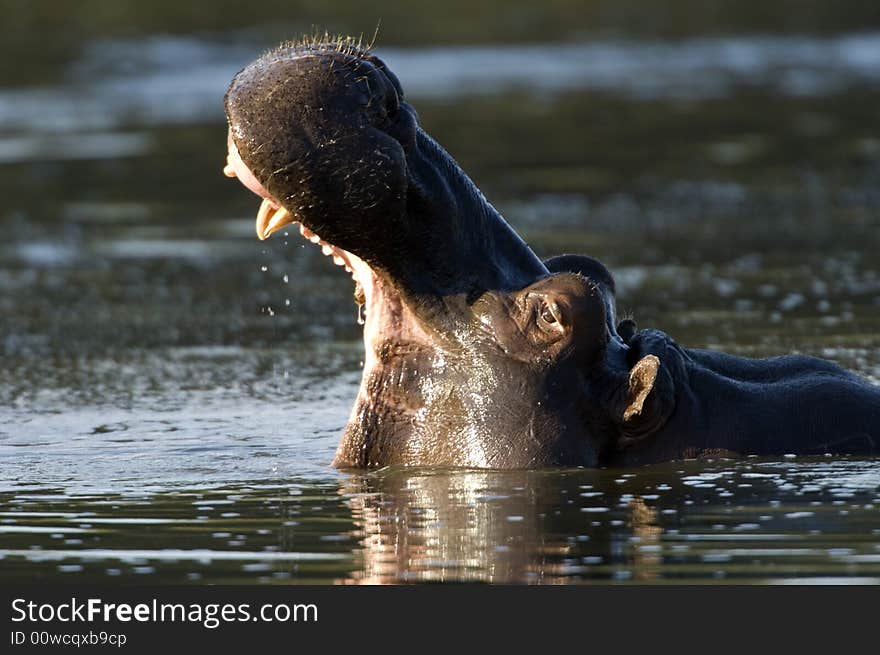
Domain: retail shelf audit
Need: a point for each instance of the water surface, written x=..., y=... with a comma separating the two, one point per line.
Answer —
x=172, y=390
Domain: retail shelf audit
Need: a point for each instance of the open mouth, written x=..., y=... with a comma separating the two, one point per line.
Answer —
x=272, y=217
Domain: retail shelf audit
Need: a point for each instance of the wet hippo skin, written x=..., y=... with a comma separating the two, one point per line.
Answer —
x=732, y=405
x=477, y=353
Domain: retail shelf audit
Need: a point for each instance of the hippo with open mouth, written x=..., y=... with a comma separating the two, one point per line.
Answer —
x=478, y=354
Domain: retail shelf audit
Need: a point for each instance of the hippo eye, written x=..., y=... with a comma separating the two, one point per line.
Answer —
x=548, y=316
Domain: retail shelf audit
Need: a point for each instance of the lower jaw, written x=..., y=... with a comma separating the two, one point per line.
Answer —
x=390, y=328
x=394, y=342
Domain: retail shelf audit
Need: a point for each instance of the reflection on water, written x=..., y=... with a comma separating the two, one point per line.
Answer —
x=686, y=522
x=747, y=521
x=172, y=390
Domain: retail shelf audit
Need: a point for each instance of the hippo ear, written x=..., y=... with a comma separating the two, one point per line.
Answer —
x=641, y=383
x=650, y=399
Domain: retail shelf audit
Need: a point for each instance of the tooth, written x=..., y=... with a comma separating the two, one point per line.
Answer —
x=271, y=218
x=279, y=219
x=266, y=208
x=327, y=250
x=315, y=238
x=339, y=261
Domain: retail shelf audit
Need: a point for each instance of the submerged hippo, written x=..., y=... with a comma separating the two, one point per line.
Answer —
x=478, y=354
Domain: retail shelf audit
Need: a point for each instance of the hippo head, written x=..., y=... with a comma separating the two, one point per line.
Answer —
x=478, y=354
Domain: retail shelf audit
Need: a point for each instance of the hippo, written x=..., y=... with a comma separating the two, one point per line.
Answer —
x=477, y=353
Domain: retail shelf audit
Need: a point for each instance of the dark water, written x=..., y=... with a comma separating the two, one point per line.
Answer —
x=172, y=390
x=739, y=522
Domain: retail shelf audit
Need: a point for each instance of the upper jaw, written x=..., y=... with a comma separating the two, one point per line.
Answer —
x=272, y=216
x=302, y=164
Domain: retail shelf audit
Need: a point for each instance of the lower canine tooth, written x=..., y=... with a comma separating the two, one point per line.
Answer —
x=267, y=208
x=279, y=219
x=271, y=218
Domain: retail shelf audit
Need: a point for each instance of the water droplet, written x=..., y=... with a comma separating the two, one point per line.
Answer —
x=286, y=278
x=264, y=268
x=287, y=302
